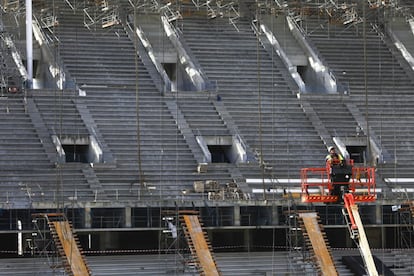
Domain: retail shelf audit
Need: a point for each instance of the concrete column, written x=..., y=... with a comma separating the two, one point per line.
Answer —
x=88, y=218
x=275, y=215
x=236, y=216
x=246, y=239
x=108, y=240
x=378, y=214
x=128, y=217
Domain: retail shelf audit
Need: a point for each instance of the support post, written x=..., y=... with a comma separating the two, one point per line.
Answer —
x=275, y=215
x=378, y=214
x=29, y=44
x=236, y=215
x=19, y=238
x=128, y=217
x=246, y=239
x=88, y=217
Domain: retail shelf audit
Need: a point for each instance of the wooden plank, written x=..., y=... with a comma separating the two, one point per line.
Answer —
x=322, y=254
x=204, y=255
x=72, y=252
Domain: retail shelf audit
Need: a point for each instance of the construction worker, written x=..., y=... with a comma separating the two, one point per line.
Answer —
x=334, y=158
x=339, y=173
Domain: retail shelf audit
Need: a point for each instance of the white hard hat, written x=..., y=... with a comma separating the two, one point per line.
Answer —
x=331, y=148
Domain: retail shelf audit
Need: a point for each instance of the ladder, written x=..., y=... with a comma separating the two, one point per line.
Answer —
x=67, y=244
x=317, y=242
x=199, y=245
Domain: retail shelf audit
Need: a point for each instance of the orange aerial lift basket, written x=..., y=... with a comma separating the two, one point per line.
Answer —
x=329, y=184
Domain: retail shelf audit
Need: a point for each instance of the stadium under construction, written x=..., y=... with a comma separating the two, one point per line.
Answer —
x=153, y=137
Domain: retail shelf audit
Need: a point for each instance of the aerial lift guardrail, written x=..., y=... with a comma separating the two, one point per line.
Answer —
x=329, y=183
x=345, y=184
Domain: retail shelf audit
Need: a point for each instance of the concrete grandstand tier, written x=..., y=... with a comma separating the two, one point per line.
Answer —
x=353, y=67
x=229, y=143
x=255, y=91
x=106, y=71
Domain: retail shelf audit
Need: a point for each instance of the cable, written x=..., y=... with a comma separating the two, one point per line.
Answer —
x=58, y=119
x=364, y=35
x=137, y=109
x=259, y=99
x=273, y=144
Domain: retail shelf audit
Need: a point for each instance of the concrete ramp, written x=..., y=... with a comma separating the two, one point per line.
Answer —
x=316, y=242
x=199, y=246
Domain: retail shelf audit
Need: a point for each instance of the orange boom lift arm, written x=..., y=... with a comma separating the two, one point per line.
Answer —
x=345, y=184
